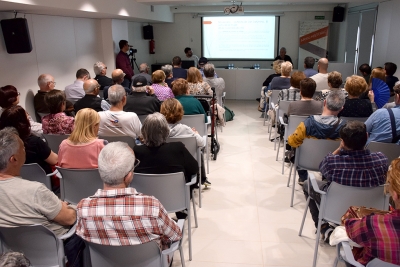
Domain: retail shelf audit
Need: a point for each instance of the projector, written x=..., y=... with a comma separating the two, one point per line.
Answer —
x=234, y=10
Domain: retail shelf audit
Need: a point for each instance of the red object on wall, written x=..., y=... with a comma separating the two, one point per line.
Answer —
x=152, y=46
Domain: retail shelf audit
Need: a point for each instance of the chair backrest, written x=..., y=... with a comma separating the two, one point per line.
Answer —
x=142, y=117
x=391, y=151
x=273, y=98
x=54, y=140
x=143, y=255
x=340, y=197
x=293, y=122
x=77, y=184
x=310, y=154
x=195, y=121
x=190, y=144
x=33, y=172
x=283, y=107
x=122, y=138
x=169, y=189
x=362, y=119
x=38, y=243
x=378, y=263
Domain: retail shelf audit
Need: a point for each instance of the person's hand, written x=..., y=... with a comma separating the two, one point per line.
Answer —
x=194, y=130
x=150, y=90
x=337, y=151
x=371, y=96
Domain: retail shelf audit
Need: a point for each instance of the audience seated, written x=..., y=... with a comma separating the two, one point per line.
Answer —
x=82, y=148
x=100, y=69
x=379, y=235
x=196, y=84
x=379, y=124
x=292, y=93
x=324, y=126
x=91, y=99
x=191, y=105
x=365, y=70
x=37, y=151
x=321, y=78
x=390, y=70
x=143, y=71
x=56, y=122
x=75, y=91
x=334, y=82
x=9, y=96
x=167, y=69
x=139, y=101
x=116, y=122
x=118, y=77
x=377, y=73
x=283, y=81
x=350, y=164
x=263, y=100
x=306, y=106
x=26, y=203
x=161, y=89
x=216, y=82
x=46, y=84
x=309, y=63
x=118, y=215
x=354, y=105
x=177, y=70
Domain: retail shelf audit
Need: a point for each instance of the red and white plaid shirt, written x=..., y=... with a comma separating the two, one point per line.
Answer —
x=124, y=217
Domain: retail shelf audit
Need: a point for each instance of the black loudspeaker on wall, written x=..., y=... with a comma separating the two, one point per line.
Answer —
x=148, y=32
x=338, y=14
x=16, y=35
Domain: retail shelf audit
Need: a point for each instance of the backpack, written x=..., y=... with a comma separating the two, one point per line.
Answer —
x=229, y=114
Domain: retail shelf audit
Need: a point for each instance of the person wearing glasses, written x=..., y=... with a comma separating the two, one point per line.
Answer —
x=46, y=84
x=57, y=122
x=91, y=98
x=117, y=78
x=100, y=69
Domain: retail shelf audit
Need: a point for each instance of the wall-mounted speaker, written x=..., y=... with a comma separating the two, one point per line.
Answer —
x=338, y=14
x=148, y=32
x=16, y=35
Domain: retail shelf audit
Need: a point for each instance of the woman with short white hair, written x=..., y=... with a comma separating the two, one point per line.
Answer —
x=282, y=82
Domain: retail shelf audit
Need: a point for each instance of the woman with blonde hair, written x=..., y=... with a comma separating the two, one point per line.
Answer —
x=282, y=82
x=82, y=148
x=196, y=84
x=161, y=89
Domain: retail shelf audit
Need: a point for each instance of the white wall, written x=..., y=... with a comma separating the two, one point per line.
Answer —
x=135, y=30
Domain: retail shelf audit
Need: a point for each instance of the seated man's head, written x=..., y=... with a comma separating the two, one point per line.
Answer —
x=139, y=84
x=323, y=65
x=172, y=110
x=155, y=130
x=334, y=102
x=91, y=87
x=180, y=87
x=116, y=165
x=55, y=101
x=355, y=85
x=82, y=74
x=309, y=62
x=282, y=52
x=12, y=152
x=144, y=68
x=117, y=96
x=202, y=61
x=46, y=82
x=365, y=69
x=296, y=78
x=209, y=70
x=167, y=69
x=100, y=68
x=307, y=87
x=176, y=61
x=354, y=135
x=117, y=76
x=390, y=68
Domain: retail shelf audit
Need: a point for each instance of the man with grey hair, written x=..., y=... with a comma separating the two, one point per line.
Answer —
x=116, y=122
x=308, y=67
x=321, y=78
x=217, y=82
x=118, y=215
x=167, y=69
x=324, y=126
x=142, y=99
x=282, y=55
x=46, y=83
x=75, y=91
x=91, y=99
x=100, y=69
x=144, y=71
x=26, y=203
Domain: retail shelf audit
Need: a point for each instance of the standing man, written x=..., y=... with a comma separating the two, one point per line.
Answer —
x=190, y=56
x=144, y=71
x=74, y=92
x=282, y=55
x=46, y=84
x=100, y=69
x=308, y=67
x=321, y=78
x=177, y=71
x=122, y=62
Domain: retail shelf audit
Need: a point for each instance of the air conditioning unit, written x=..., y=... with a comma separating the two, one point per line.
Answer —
x=234, y=10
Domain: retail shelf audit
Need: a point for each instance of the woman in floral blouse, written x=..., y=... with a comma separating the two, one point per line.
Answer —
x=196, y=84
x=57, y=122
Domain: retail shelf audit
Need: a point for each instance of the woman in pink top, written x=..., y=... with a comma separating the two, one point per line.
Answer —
x=57, y=122
x=82, y=148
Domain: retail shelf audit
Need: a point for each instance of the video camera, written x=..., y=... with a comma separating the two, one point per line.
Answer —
x=131, y=50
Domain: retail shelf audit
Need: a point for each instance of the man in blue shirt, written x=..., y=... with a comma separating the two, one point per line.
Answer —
x=308, y=67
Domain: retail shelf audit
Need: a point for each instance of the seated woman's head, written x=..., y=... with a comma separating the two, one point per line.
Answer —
x=393, y=181
x=15, y=116
x=194, y=75
x=155, y=130
x=86, y=126
x=335, y=79
x=55, y=101
x=180, y=87
x=158, y=76
x=277, y=66
x=8, y=96
x=355, y=85
x=378, y=73
x=296, y=78
x=286, y=68
x=172, y=110
x=307, y=87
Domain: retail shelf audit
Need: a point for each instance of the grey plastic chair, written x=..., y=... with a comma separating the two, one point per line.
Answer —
x=273, y=101
x=309, y=155
x=197, y=122
x=77, y=184
x=191, y=145
x=142, y=118
x=362, y=119
x=272, y=98
x=391, y=151
x=336, y=201
x=172, y=191
x=344, y=253
x=39, y=244
x=123, y=138
x=143, y=255
x=290, y=127
x=54, y=140
x=33, y=172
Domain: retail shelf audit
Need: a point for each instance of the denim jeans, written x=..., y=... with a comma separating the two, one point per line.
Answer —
x=73, y=249
x=315, y=199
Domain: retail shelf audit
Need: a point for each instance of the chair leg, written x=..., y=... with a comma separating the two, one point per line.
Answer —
x=290, y=174
x=189, y=230
x=194, y=212
x=304, y=216
x=317, y=242
x=293, y=186
x=276, y=134
x=208, y=156
x=283, y=156
x=182, y=256
x=265, y=115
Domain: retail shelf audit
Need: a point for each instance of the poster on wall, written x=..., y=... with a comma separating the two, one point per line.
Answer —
x=313, y=40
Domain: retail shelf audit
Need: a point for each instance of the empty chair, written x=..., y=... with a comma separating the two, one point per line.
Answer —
x=362, y=119
x=33, y=172
x=123, y=138
x=77, y=184
x=391, y=151
x=54, y=140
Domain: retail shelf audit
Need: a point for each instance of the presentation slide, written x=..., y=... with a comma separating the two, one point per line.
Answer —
x=234, y=37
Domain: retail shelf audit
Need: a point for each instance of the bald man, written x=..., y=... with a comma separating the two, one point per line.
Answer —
x=321, y=78
x=91, y=99
x=144, y=71
x=118, y=77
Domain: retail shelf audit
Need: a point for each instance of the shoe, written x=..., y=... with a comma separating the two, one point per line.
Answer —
x=287, y=160
x=300, y=182
x=326, y=231
x=260, y=109
x=258, y=99
x=206, y=183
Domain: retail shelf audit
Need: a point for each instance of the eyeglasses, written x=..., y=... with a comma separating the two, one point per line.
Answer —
x=18, y=93
x=137, y=162
x=53, y=82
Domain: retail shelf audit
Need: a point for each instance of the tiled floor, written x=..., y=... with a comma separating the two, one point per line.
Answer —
x=245, y=219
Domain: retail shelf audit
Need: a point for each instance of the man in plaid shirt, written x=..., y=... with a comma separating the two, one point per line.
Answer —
x=118, y=215
x=350, y=165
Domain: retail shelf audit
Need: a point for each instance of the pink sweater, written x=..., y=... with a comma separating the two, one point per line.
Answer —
x=82, y=156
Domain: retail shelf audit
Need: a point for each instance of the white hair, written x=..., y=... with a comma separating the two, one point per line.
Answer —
x=115, y=161
x=143, y=67
x=167, y=69
x=115, y=94
x=98, y=67
x=43, y=79
x=9, y=145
